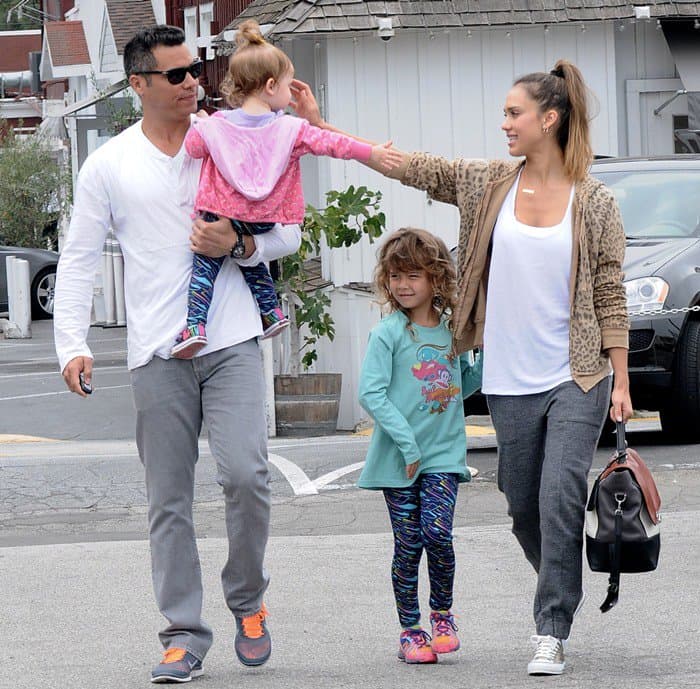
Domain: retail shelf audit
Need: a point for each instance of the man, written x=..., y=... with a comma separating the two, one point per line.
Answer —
x=143, y=185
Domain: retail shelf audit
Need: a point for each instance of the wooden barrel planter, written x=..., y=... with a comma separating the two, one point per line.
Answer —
x=308, y=404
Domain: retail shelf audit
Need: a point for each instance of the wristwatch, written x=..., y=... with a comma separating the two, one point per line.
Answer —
x=238, y=250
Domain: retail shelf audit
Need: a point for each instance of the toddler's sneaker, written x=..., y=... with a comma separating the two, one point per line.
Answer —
x=548, y=658
x=414, y=647
x=444, y=629
x=189, y=342
x=178, y=665
x=253, y=643
x=273, y=322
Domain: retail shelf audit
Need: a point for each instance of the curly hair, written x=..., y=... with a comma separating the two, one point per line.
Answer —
x=252, y=64
x=410, y=249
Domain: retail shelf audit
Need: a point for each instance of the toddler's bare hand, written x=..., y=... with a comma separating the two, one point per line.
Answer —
x=411, y=469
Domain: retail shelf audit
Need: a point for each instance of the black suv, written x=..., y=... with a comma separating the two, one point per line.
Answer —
x=660, y=203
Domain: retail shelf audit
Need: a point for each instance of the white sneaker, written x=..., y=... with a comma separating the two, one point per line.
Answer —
x=548, y=658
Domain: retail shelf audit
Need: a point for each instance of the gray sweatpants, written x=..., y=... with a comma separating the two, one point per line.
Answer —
x=546, y=443
x=172, y=397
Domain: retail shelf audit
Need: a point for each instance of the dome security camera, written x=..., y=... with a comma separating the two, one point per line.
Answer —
x=385, y=29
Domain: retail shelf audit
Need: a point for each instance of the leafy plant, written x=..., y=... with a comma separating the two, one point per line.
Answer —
x=348, y=216
x=34, y=189
x=121, y=112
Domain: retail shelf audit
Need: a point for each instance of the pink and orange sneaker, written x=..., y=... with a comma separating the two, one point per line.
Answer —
x=189, y=342
x=445, y=639
x=414, y=647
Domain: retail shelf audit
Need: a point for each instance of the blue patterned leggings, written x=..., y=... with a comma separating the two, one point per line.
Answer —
x=205, y=270
x=421, y=518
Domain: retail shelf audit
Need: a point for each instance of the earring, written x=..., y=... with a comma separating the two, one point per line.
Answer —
x=545, y=130
x=438, y=301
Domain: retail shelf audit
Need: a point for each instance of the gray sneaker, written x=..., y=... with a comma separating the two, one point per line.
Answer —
x=178, y=665
x=548, y=658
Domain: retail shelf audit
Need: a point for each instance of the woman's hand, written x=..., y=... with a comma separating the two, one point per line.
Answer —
x=385, y=157
x=304, y=103
x=621, y=404
x=411, y=469
x=620, y=401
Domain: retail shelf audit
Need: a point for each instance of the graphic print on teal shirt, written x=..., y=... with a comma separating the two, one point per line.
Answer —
x=433, y=369
x=402, y=380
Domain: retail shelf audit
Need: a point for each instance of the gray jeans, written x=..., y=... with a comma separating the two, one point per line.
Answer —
x=546, y=443
x=173, y=397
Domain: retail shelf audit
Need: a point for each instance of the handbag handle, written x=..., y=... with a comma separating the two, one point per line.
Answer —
x=621, y=443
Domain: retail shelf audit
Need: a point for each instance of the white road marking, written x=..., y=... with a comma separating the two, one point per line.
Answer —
x=297, y=479
x=29, y=362
x=59, y=392
x=323, y=481
x=54, y=374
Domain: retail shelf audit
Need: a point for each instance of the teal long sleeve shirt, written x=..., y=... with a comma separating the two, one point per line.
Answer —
x=414, y=393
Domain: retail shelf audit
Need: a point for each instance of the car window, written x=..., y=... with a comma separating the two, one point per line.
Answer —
x=657, y=203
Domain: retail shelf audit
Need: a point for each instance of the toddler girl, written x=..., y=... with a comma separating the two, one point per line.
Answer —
x=251, y=173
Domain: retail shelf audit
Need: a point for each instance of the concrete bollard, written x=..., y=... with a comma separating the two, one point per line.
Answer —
x=19, y=298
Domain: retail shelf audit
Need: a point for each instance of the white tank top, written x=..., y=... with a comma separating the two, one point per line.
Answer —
x=526, y=333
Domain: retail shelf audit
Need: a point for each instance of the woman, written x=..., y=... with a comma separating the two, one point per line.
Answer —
x=540, y=254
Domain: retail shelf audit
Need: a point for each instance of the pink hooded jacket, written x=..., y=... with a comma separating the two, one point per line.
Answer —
x=253, y=173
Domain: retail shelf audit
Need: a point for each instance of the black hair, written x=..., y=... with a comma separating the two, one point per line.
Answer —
x=138, y=52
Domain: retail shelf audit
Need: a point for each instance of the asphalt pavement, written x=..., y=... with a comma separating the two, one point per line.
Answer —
x=74, y=565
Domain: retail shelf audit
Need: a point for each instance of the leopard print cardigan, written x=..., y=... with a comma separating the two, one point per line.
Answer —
x=598, y=306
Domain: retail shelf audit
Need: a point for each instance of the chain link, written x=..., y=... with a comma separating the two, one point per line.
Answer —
x=664, y=312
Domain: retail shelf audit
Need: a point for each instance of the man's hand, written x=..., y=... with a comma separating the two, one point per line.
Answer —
x=216, y=239
x=304, y=103
x=411, y=469
x=386, y=157
x=72, y=371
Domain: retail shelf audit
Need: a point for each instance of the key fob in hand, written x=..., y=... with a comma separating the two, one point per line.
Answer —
x=85, y=387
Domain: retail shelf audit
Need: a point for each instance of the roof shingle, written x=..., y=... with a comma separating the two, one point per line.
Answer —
x=127, y=17
x=67, y=44
x=300, y=17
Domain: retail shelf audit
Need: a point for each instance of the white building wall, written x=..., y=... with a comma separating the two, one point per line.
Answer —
x=355, y=313
x=646, y=77
x=441, y=93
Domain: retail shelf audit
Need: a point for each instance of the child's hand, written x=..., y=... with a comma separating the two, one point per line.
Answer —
x=386, y=157
x=202, y=113
x=411, y=469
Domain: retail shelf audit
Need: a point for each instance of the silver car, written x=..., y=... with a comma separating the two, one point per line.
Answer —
x=42, y=278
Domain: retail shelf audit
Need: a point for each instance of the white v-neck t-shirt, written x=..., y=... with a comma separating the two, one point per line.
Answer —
x=526, y=333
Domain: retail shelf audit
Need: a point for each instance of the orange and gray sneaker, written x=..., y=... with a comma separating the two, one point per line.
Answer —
x=445, y=639
x=414, y=647
x=253, y=643
x=178, y=665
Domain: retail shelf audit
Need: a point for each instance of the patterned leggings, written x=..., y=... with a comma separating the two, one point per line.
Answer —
x=205, y=270
x=421, y=518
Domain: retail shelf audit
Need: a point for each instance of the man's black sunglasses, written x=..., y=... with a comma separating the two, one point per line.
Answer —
x=177, y=75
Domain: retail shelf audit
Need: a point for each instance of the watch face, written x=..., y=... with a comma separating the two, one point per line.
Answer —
x=238, y=250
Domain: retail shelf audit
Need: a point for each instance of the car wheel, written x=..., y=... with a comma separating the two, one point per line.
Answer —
x=42, y=293
x=679, y=418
